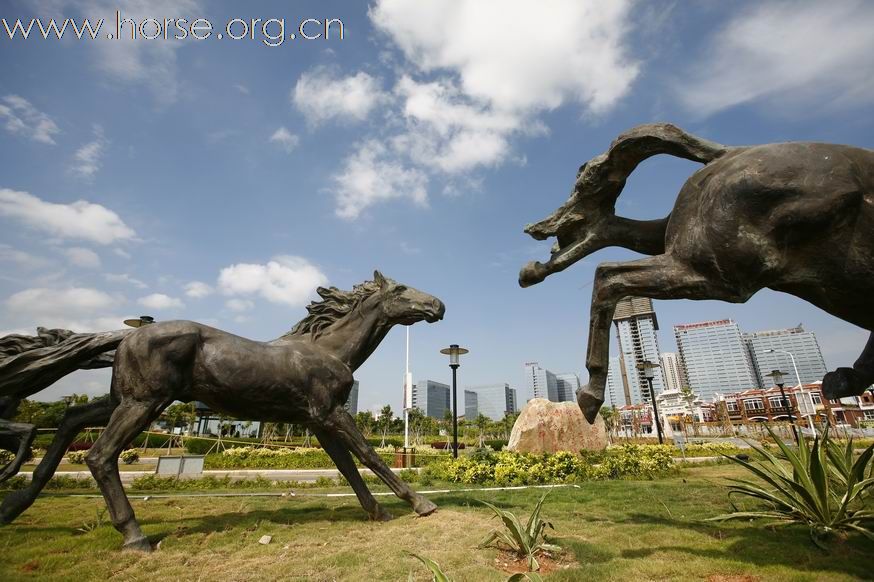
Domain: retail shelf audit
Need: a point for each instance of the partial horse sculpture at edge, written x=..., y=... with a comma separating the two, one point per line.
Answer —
x=793, y=217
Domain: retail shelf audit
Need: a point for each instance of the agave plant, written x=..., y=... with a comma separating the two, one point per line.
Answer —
x=525, y=541
x=821, y=486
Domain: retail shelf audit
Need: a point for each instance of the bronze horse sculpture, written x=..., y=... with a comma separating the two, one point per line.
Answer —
x=303, y=377
x=793, y=217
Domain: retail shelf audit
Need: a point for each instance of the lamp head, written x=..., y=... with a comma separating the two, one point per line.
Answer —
x=777, y=376
x=454, y=352
x=648, y=369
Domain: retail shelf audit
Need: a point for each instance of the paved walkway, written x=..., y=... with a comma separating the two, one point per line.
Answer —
x=236, y=475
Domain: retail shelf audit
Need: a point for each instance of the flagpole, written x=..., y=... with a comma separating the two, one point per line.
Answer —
x=407, y=395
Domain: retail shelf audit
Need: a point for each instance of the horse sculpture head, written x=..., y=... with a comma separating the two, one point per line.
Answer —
x=581, y=226
x=406, y=305
x=395, y=304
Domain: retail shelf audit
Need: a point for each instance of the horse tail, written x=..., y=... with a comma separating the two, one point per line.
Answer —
x=30, y=364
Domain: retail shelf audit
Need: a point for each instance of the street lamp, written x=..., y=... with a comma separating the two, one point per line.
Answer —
x=777, y=376
x=808, y=404
x=139, y=321
x=453, y=351
x=648, y=368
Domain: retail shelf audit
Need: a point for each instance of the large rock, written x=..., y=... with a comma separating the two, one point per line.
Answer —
x=548, y=427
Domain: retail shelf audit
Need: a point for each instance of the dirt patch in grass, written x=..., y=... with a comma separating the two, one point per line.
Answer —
x=512, y=564
x=732, y=578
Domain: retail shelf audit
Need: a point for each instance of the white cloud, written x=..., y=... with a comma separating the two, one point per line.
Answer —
x=149, y=63
x=517, y=54
x=492, y=67
x=83, y=257
x=285, y=139
x=88, y=158
x=284, y=279
x=21, y=258
x=160, y=301
x=23, y=118
x=81, y=219
x=126, y=279
x=372, y=174
x=69, y=303
x=239, y=304
x=789, y=53
x=198, y=290
x=320, y=96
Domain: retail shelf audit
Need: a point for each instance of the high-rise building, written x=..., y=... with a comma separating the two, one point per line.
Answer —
x=801, y=344
x=567, y=386
x=352, y=403
x=714, y=358
x=492, y=400
x=672, y=369
x=614, y=394
x=432, y=398
x=541, y=382
x=471, y=405
x=514, y=395
x=636, y=327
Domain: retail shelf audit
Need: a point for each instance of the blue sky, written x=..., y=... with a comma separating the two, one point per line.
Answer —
x=221, y=181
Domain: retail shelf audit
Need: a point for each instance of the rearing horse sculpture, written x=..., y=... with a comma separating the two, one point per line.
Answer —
x=792, y=217
x=304, y=377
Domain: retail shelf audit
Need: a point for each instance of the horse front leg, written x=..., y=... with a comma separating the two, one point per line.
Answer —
x=95, y=413
x=339, y=422
x=346, y=465
x=658, y=277
x=853, y=381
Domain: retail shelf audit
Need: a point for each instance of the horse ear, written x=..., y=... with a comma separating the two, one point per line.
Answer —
x=380, y=279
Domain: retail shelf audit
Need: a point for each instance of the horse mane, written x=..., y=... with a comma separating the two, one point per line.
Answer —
x=335, y=305
x=14, y=344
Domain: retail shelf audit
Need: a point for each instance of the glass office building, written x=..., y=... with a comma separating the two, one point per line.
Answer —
x=801, y=344
x=714, y=357
x=432, y=398
x=492, y=400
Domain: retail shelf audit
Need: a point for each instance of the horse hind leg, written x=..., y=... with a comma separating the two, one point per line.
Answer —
x=129, y=419
x=95, y=413
x=21, y=436
x=346, y=465
x=853, y=381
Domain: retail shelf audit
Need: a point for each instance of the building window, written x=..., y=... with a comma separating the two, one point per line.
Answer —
x=754, y=404
x=776, y=401
x=732, y=406
x=869, y=415
x=817, y=400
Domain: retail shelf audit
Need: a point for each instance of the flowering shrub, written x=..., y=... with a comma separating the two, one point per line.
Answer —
x=6, y=457
x=76, y=457
x=508, y=468
x=129, y=456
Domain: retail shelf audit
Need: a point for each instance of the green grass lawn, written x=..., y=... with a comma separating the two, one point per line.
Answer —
x=615, y=530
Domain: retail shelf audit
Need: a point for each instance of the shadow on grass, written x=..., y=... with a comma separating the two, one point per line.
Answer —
x=788, y=546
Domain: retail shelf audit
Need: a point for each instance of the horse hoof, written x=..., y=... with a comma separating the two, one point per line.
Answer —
x=140, y=544
x=589, y=405
x=381, y=515
x=841, y=383
x=424, y=507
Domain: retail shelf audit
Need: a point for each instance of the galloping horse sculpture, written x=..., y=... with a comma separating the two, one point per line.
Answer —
x=303, y=377
x=792, y=217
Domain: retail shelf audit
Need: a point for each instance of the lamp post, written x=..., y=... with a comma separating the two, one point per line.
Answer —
x=648, y=368
x=454, y=352
x=777, y=376
x=139, y=321
x=799, y=387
